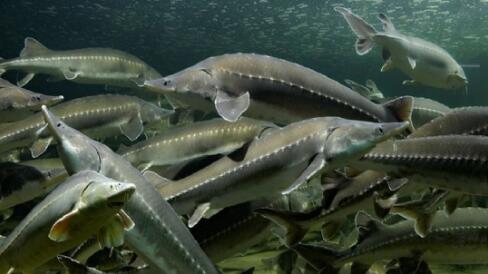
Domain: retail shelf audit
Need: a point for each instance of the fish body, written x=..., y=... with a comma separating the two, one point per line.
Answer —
x=425, y=110
x=460, y=121
x=21, y=183
x=278, y=162
x=370, y=90
x=73, y=212
x=195, y=140
x=459, y=238
x=99, y=116
x=159, y=237
x=17, y=103
x=453, y=162
x=88, y=66
x=271, y=89
x=425, y=62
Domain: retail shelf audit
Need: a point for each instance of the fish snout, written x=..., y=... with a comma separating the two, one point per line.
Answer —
x=122, y=193
x=162, y=85
x=387, y=130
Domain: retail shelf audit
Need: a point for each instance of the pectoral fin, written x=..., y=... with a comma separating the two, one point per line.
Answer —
x=387, y=66
x=317, y=163
x=40, y=146
x=231, y=108
x=198, y=214
x=60, y=231
x=133, y=128
x=126, y=220
x=22, y=82
x=412, y=62
x=72, y=265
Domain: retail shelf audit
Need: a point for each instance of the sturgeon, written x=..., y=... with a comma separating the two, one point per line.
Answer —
x=192, y=141
x=99, y=116
x=464, y=120
x=17, y=103
x=88, y=66
x=73, y=266
x=460, y=238
x=271, y=89
x=76, y=210
x=426, y=63
x=370, y=90
x=278, y=162
x=370, y=190
x=159, y=237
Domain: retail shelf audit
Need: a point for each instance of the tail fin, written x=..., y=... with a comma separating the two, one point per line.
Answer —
x=402, y=108
x=361, y=28
x=292, y=223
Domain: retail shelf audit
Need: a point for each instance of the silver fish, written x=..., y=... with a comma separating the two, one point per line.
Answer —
x=425, y=62
x=89, y=66
x=271, y=89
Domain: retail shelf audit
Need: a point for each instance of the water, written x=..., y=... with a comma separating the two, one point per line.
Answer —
x=171, y=35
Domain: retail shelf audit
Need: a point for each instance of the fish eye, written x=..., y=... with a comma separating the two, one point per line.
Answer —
x=58, y=125
x=165, y=83
x=379, y=131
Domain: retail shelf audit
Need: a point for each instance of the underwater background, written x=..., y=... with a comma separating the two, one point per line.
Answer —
x=173, y=34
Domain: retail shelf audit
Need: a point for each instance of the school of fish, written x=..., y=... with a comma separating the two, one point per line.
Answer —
x=256, y=165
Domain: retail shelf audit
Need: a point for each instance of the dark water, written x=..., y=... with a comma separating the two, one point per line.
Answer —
x=173, y=34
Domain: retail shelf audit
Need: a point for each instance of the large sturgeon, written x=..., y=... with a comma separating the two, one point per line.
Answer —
x=17, y=103
x=425, y=62
x=272, y=89
x=76, y=210
x=461, y=238
x=277, y=162
x=159, y=236
x=99, y=116
x=90, y=65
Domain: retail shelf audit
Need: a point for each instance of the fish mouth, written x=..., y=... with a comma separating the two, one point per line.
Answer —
x=124, y=193
x=159, y=85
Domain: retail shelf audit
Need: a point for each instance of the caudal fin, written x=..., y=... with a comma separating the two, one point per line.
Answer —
x=361, y=28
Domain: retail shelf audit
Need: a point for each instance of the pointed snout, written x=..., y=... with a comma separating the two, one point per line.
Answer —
x=52, y=100
x=161, y=85
x=52, y=121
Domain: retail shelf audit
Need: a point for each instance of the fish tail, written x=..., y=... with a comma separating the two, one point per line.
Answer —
x=364, y=31
x=402, y=108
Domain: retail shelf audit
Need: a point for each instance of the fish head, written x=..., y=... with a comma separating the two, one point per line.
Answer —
x=102, y=193
x=457, y=80
x=349, y=140
x=77, y=151
x=195, y=79
x=37, y=100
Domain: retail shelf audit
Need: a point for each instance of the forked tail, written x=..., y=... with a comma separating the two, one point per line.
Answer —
x=364, y=31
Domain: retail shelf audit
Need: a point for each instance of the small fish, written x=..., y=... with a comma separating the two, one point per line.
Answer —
x=425, y=62
x=17, y=103
x=76, y=210
x=88, y=66
x=199, y=139
x=276, y=163
x=460, y=238
x=271, y=89
x=370, y=90
x=99, y=116
x=159, y=236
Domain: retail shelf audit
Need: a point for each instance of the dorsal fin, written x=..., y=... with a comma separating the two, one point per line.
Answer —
x=401, y=108
x=32, y=47
x=387, y=24
x=365, y=224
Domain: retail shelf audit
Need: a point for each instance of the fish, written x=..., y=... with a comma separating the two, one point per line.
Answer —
x=99, y=116
x=185, y=143
x=73, y=266
x=271, y=89
x=459, y=121
x=425, y=62
x=426, y=110
x=369, y=190
x=87, y=66
x=76, y=210
x=21, y=183
x=17, y=103
x=456, y=239
x=159, y=237
x=370, y=90
x=277, y=163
